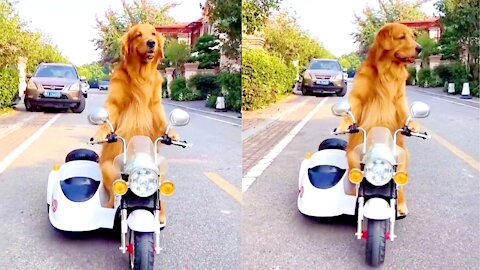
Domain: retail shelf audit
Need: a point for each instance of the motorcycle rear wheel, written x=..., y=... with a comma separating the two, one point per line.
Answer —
x=376, y=242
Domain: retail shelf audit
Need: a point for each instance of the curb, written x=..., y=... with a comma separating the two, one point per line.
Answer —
x=203, y=111
x=444, y=96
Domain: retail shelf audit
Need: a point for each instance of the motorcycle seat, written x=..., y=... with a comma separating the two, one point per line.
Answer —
x=333, y=143
x=325, y=176
x=79, y=189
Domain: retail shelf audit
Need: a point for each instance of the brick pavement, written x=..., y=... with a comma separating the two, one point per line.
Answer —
x=257, y=146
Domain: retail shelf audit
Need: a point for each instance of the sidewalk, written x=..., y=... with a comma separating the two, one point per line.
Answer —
x=438, y=91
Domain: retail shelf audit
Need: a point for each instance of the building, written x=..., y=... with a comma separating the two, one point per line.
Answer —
x=433, y=26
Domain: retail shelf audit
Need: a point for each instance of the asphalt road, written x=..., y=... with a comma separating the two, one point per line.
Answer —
x=441, y=231
x=203, y=228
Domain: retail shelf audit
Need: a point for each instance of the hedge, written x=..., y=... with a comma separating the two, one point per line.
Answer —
x=453, y=73
x=9, y=82
x=265, y=78
x=180, y=91
x=232, y=86
x=205, y=84
x=412, y=76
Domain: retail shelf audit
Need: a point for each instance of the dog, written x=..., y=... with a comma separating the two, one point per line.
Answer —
x=378, y=96
x=134, y=101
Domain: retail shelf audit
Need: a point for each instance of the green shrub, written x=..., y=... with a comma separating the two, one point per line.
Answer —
x=424, y=77
x=204, y=84
x=211, y=101
x=412, y=75
x=445, y=73
x=265, y=78
x=475, y=89
x=165, y=88
x=460, y=75
x=232, y=85
x=180, y=91
x=9, y=82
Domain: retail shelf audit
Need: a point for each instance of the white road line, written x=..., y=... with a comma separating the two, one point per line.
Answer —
x=19, y=150
x=263, y=164
x=198, y=110
x=216, y=119
x=255, y=130
x=17, y=125
x=447, y=99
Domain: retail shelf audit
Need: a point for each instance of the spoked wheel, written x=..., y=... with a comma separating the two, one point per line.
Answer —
x=143, y=256
x=376, y=241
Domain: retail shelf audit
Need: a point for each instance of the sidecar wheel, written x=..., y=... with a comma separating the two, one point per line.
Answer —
x=375, y=251
x=143, y=250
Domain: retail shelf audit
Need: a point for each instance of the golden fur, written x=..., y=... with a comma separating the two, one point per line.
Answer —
x=134, y=101
x=378, y=96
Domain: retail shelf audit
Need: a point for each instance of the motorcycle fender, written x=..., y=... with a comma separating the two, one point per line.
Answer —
x=377, y=208
x=142, y=221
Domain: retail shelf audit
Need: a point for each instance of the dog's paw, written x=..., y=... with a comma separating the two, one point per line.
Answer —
x=174, y=135
x=414, y=126
x=402, y=210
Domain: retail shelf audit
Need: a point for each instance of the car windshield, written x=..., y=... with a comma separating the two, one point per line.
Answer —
x=328, y=65
x=140, y=154
x=104, y=82
x=67, y=72
x=381, y=139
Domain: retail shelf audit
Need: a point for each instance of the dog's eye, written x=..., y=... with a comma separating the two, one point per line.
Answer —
x=154, y=33
x=401, y=37
x=139, y=34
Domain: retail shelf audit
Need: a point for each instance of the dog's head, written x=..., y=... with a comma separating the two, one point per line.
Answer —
x=143, y=43
x=397, y=42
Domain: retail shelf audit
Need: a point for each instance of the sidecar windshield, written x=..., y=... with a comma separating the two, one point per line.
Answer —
x=380, y=145
x=140, y=152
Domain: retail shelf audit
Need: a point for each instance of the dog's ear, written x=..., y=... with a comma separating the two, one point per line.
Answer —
x=384, y=38
x=161, y=45
x=125, y=45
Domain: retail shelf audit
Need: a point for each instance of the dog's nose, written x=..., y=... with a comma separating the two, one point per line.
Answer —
x=418, y=48
x=151, y=43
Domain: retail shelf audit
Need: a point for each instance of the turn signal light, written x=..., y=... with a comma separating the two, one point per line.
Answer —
x=355, y=176
x=308, y=155
x=401, y=178
x=167, y=188
x=56, y=167
x=120, y=187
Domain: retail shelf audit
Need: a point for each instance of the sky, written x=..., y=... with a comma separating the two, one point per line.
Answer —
x=331, y=21
x=70, y=23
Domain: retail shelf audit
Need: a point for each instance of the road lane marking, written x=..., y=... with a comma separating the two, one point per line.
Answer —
x=442, y=97
x=19, y=150
x=225, y=185
x=263, y=164
x=198, y=110
x=219, y=120
x=255, y=130
x=455, y=150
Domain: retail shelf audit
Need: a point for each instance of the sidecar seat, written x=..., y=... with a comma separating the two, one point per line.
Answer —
x=333, y=143
x=82, y=154
x=79, y=189
x=325, y=176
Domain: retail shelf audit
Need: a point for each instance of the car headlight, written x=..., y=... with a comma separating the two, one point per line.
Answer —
x=75, y=87
x=307, y=76
x=378, y=172
x=337, y=77
x=31, y=85
x=143, y=182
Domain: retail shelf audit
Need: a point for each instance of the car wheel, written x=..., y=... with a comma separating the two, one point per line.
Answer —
x=85, y=95
x=80, y=106
x=29, y=107
x=305, y=92
x=342, y=92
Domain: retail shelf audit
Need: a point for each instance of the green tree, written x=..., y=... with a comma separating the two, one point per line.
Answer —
x=207, y=50
x=255, y=14
x=429, y=47
x=115, y=24
x=371, y=20
x=350, y=61
x=177, y=53
x=461, y=24
x=226, y=17
x=93, y=72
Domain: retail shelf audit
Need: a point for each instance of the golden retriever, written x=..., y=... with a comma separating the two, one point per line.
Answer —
x=378, y=96
x=134, y=101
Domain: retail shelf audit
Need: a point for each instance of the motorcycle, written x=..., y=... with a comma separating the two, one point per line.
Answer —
x=369, y=193
x=76, y=195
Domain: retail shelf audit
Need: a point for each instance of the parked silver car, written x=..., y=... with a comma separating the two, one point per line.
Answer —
x=324, y=76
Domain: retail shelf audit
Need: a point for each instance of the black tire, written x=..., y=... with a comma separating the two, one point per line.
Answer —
x=375, y=251
x=80, y=106
x=305, y=92
x=85, y=95
x=29, y=107
x=143, y=250
x=343, y=92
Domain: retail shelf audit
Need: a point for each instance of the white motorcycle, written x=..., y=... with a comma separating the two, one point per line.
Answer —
x=370, y=193
x=75, y=193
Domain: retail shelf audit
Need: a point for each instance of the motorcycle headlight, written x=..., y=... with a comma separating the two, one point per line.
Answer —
x=75, y=87
x=143, y=182
x=378, y=172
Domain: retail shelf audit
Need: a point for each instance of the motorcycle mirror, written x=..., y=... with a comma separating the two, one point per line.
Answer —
x=179, y=117
x=98, y=117
x=418, y=109
x=341, y=108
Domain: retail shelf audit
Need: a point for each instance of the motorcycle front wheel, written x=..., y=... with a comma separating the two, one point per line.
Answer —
x=143, y=254
x=376, y=241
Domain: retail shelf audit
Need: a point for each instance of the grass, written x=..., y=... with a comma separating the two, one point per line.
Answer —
x=6, y=111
